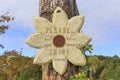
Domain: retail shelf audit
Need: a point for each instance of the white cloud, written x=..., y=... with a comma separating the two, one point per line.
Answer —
x=23, y=11
x=101, y=20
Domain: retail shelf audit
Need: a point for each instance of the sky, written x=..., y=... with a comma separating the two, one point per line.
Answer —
x=102, y=23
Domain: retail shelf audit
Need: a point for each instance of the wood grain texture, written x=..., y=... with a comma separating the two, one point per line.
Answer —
x=47, y=7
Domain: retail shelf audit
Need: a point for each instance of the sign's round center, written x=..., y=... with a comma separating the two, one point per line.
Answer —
x=59, y=41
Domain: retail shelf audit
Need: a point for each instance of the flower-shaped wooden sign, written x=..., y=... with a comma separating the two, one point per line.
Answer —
x=59, y=40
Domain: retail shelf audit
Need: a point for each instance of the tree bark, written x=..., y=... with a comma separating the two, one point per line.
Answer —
x=46, y=9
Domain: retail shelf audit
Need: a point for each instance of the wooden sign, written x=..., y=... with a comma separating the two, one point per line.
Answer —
x=59, y=40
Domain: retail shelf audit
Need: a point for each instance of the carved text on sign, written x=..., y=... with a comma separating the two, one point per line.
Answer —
x=58, y=30
x=59, y=40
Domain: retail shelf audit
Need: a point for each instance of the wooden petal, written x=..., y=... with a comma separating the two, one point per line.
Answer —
x=79, y=40
x=41, y=24
x=38, y=40
x=76, y=57
x=60, y=64
x=60, y=18
x=43, y=56
x=75, y=23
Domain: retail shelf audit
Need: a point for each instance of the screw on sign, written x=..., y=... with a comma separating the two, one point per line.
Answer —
x=59, y=40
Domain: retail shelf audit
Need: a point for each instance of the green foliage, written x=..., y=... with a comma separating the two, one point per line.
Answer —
x=79, y=76
x=14, y=66
x=88, y=48
x=103, y=68
x=111, y=69
x=32, y=73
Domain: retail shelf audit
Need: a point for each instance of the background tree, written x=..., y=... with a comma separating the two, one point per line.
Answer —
x=4, y=19
x=93, y=63
x=111, y=69
x=14, y=66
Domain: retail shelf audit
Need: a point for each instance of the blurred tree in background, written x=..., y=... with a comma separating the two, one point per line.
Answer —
x=4, y=20
x=111, y=69
x=93, y=63
x=14, y=66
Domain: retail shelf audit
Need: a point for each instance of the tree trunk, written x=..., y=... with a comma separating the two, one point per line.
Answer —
x=46, y=9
